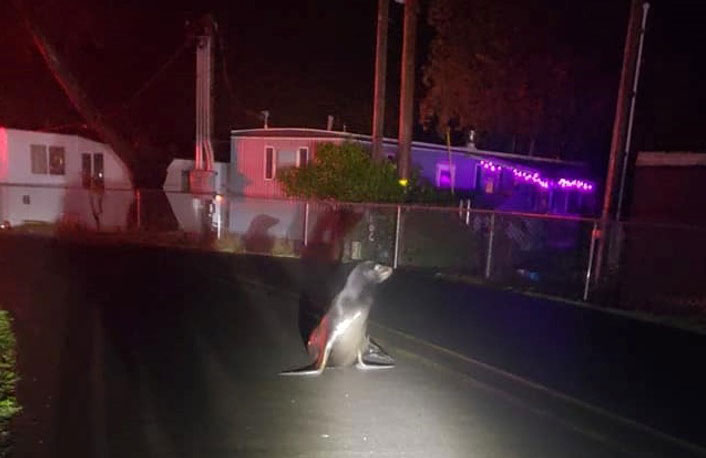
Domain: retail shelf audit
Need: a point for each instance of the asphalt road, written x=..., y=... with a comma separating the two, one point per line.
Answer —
x=128, y=351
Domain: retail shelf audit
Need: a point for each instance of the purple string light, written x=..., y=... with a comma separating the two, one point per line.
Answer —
x=536, y=178
x=575, y=184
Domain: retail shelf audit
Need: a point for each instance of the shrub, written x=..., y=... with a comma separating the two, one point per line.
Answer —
x=8, y=379
x=347, y=173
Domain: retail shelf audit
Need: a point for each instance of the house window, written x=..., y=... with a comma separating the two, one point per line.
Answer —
x=559, y=201
x=92, y=170
x=445, y=175
x=507, y=182
x=303, y=156
x=285, y=159
x=269, y=163
x=541, y=201
x=489, y=185
x=39, y=159
x=574, y=203
x=56, y=160
x=478, y=178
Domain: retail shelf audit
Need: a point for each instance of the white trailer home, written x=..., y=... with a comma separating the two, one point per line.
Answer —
x=49, y=178
x=49, y=159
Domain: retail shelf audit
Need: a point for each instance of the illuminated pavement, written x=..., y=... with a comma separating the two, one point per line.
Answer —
x=129, y=352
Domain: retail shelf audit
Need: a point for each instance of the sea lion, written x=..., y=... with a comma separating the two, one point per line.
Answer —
x=341, y=337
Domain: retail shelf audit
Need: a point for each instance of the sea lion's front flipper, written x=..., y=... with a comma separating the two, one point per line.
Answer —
x=374, y=357
x=363, y=364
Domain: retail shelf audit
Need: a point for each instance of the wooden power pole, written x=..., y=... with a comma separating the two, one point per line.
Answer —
x=380, y=77
x=411, y=9
x=620, y=124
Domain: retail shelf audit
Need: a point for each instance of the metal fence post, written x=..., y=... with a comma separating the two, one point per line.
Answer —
x=219, y=210
x=397, y=237
x=306, y=223
x=489, y=256
x=589, y=268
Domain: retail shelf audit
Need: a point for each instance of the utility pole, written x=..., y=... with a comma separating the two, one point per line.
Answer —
x=631, y=116
x=452, y=172
x=620, y=125
x=380, y=77
x=201, y=178
x=411, y=9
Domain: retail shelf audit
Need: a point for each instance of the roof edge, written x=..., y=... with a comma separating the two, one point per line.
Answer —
x=391, y=141
x=670, y=159
x=45, y=132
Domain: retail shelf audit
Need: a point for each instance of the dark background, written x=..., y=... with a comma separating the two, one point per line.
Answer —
x=304, y=60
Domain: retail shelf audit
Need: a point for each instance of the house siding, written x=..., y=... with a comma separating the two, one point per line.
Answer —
x=669, y=195
x=27, y=197
x=248, y=163
x=177, y=179
x=248, y=170
x=16, y=162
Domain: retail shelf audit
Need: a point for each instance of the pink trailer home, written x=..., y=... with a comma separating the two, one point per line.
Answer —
x=492, y=179
x=257, y=154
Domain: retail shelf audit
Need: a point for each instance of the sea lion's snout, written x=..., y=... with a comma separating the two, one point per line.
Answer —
x=382, y=272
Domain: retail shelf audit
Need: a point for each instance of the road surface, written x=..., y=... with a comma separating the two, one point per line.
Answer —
x=145, y=352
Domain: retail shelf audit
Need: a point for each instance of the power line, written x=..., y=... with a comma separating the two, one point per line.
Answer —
x=150, y=81
x=226, y=78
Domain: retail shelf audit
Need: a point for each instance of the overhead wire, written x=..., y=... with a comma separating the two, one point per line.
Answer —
x=151, y=80
x=159, y=72
x=227, y=80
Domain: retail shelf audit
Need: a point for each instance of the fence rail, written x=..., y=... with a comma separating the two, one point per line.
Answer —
x=653, y=267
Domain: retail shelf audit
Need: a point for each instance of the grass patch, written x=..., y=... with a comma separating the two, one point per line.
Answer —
x=8, y=381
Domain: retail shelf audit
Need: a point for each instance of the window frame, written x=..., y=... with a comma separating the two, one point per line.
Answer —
x=43, y=162
x=299, y=150
x=445, y=167
x=478, y=177
x=51, y=150
x=273, y=162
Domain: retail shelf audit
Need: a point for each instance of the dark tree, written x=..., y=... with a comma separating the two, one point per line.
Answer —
x=509, y=70
x=99, y=58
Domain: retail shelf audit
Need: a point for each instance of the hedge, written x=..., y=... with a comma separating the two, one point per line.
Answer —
x=8, y=381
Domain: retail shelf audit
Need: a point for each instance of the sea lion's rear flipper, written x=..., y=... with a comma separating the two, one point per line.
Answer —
x=318, y=366
x=374, y=357
x=312, y=369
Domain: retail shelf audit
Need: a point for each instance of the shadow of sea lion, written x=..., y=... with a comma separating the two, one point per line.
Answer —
x=257, y=238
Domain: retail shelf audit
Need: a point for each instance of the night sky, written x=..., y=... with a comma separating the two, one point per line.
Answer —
x=305, y=60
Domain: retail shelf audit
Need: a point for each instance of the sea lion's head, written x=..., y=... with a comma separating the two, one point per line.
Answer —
x=372, y=273
x=364, y=278
x=378, y=273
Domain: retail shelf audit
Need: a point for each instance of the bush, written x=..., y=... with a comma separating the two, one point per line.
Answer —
x=347, y=173
x=8, y=379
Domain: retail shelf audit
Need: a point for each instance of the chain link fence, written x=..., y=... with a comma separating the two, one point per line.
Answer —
x=653, y=268
x=656, y=268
